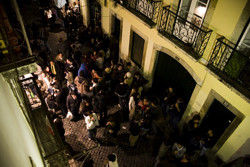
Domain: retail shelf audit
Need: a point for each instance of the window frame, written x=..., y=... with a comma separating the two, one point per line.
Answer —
x=145, y=38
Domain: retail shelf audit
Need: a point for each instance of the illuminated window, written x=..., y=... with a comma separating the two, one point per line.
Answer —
x=193, y=10
x=31, y=92
x=244, y=44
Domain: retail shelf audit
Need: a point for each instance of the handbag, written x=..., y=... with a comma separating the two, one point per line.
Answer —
x=69, y=115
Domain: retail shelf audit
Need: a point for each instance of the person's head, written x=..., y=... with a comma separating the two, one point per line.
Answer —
x=133, y=92
x=51, y=62
x=112, y=157
x=170, y=89
x=87, y=102
x=69, y=61
x=196, y=120
x=145, y=101
x=179, y=100
x=210, y=132
x=73, y=95
x=154, y=102
x=119, y=67
x=107, y=70
x=128, y=64
x=60, y=56
x=128, y=75
x=57, y=120
x=137, y=75
x=105, y=36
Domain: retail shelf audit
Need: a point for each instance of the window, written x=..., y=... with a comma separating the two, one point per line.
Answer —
x=193, y=10
x=137, y=49
x=244, y=44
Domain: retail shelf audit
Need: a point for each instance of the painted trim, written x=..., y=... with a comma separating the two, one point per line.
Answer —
x=159, y=48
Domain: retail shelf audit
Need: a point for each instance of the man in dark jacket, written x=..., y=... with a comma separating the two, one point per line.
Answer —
x=72, y=104
x=61, y=99
x=60, y=69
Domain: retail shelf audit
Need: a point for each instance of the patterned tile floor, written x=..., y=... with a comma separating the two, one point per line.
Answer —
x=139, y=156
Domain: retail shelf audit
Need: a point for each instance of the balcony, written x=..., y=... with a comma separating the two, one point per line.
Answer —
x=13, y=52
x=45, y=131
x=13, y=49
x=147, y=11
x=186, y=34
x=231, y=65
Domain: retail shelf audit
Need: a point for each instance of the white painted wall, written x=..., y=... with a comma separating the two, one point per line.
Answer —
x=16, y=138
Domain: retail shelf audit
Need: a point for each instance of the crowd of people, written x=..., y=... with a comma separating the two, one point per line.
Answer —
x=83, y=82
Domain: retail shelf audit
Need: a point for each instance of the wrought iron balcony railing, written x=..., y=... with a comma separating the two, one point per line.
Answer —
x=146, y=10
x=187, y=34
x=231, y=65
x=13, y=50
x=49, y=141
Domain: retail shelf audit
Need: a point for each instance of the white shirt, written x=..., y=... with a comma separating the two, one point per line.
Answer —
x=113, y=164
x=90, y=123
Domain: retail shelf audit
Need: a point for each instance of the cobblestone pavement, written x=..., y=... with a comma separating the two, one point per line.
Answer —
x=139, y=156
x=76, y=133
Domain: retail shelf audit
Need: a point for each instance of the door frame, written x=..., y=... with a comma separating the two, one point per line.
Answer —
x=213, y=95
x=111, y=25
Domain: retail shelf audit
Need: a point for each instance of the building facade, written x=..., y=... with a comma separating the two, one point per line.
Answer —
x=206, y=40
x=204, y=37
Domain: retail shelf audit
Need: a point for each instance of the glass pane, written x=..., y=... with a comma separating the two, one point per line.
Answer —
x=137, y=49
x=204, y=1
x=31, y=92
x=244, y=45
x=200, y=9
x=184, y=9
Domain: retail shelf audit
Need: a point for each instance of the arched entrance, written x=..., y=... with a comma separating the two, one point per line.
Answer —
x=168, y=71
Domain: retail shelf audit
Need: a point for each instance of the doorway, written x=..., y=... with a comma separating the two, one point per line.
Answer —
x=170, y=72
x=95, y=13
x=218, y=118
x=116, y=27
x=115, y=37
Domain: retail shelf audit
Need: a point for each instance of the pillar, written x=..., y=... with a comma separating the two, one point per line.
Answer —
x=84, y=7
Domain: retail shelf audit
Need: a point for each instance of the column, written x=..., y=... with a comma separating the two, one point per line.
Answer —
x=84, y=7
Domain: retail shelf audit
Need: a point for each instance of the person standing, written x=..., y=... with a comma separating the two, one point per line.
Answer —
x=72, y=106
x=112, y=161
x=92, y=122
x=60, y=69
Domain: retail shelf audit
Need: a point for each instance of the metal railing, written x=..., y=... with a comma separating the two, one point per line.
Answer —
x=230, y=64
x=150, y=10
x=192, y=38
x=14, y=51
x=52, y=148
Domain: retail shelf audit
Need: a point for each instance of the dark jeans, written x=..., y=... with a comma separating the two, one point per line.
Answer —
x=103, y=114
x=92, y=134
